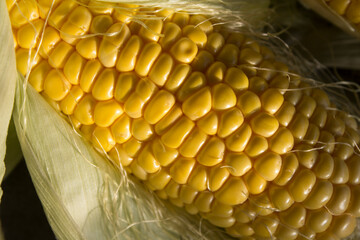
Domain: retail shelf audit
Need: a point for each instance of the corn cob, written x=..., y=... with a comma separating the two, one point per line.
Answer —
x=206, y=119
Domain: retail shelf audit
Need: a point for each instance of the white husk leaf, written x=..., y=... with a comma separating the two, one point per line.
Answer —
x=83, y=195
x=7, y=82
x=326, y=12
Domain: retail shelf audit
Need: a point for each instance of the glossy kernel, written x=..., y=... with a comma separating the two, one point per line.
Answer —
x=212, y=153
x=56, y=86
x=106, y=112
x=184, y=50
x=302, y=185
x=198, y=104
x=233, y=192
x=159, y=106
x=268, y=165
x=264, y=124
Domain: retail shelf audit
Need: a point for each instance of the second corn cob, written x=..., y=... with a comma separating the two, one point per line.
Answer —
x=191, y=115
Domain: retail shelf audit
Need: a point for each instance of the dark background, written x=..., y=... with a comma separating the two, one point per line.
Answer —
x=21, y=213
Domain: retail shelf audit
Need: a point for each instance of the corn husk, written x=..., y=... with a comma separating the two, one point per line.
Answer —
x=84, y=196
x=330, y=45
x=326, y=12
x=7, y=82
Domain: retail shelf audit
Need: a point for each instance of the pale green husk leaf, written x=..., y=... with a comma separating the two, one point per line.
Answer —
x=326, y=12
x=7, y=82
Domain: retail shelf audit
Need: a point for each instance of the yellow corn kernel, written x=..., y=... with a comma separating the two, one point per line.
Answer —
x=181, y=169
x=88, y=47
x=141, y=130
x=120, y=129
x=254, y=182
x=271, y=100
x=318, y=220
x=352, y=12
x=84, y=110
x=343, y=225
x=319, y=196
x=69, y=103
x=22, y=60
x=282, y=141
x=59, y=15
x=195, y=34
x=152, y=30
x=204, y=201
x=77, y=24
x=104, y=85
x=257, y=84
x=184, y=50
x=138, y=171
x=302, y=185
x=264, y=124
x=341, y=172
x=38, y=75
x=230, y=121
x=73, y=68
x=147, y=58
x=172, y=33
x=23, y=12
x=119, y=33
x=289, y=166
x=193, y=83
x=198, y=180
x=159, y=180
x=106, y=112
x=101, y=23
x=162, y=153
x=217, y=178
x=126, y=82
x=214, y=43
x=177, y=77
x=56, y=86
x=216, y=72
x=198, y=104
x=249, y=56
x=28, y=34
x=223, y=97
x=239, y=140
x=237, y=79
x=50, y=39
x=147, y=161
x=229, y=55
x=212, y=153
x=91, y=69
x=132, y=147
x=103, y=139
x=177, y=133
x=233, y=192
x=202, y=61
x=280, y=197
x=160, y=72
x=248, y=103
x=60, y=55
x=268, y=165
x=170, y=118
x=294, y=217
x=128, y=56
